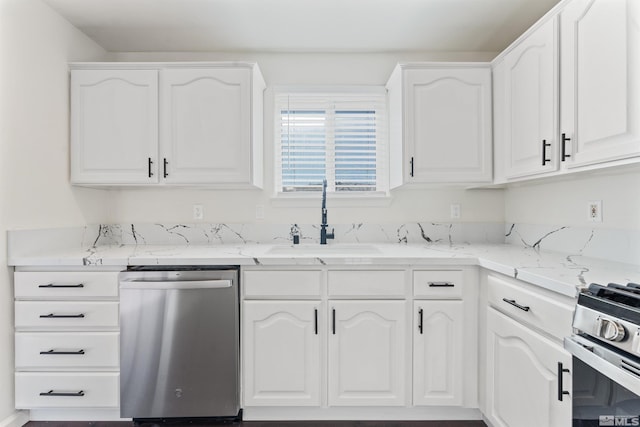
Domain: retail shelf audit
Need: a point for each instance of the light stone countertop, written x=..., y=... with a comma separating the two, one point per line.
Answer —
x=562, y=273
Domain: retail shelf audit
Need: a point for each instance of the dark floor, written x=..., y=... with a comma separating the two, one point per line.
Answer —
x=271, y=424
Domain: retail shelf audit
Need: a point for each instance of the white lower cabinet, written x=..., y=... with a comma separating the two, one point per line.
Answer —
x=437, y=353
x=522, y=376
x=67, y=390
x=366, y=353
x=67, y=340
x=282, y=353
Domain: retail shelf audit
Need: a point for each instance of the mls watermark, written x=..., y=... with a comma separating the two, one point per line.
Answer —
x=619, y=420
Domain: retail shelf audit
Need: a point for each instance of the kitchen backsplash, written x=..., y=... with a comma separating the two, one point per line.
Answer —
x=213, y=234
x=615, y=245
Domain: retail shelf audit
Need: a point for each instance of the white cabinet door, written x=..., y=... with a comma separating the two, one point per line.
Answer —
x=281, y=346
x=206, y=125
x=366, y=353
x=448, y=124
x=437, y=353
x=522, y=376
x=600, y=80
x=531, y=104
x=114, y=126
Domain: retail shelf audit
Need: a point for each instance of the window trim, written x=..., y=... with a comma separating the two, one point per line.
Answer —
x=376, y=198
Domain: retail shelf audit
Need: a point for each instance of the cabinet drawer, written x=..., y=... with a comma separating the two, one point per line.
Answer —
x=369, y=283
x=282, y=283
x=535, y=308
x=71, y=350
x=67, y=390
x=64, y=314
x=65, y=284
x=438, y=284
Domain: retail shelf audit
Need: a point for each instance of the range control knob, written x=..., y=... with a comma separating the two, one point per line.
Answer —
x=610, y=330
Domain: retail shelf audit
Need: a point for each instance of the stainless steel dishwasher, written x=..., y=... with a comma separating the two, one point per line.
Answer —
x=180, y=344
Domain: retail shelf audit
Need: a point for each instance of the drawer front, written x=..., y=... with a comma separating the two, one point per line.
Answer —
x=536, y=309
x=67, y=315
x=66, y=284
x=282, y=283
x=70, y=350
x=67, y=390
x=438, y=284
x=369, y=283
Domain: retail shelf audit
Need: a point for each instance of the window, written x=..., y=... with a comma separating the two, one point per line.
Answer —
x=338, y=136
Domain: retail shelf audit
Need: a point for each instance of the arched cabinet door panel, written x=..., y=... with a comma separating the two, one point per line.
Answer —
x=522, y=376
x=366, y=353
x=281, y=347
x=600, y=80
x=114, y=126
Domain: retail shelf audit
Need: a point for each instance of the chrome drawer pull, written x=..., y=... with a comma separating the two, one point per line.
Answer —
x=52, y=351
x=51, y=285
x=441, y=285
x=515, y=304
x=72, y=394
x=61, y=316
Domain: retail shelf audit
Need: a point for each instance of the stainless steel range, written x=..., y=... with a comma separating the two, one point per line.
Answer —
x=606, y=356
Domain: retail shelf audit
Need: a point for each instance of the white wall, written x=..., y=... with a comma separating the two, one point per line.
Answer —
x=564, y=202
x=35, y=46
x=306, y=69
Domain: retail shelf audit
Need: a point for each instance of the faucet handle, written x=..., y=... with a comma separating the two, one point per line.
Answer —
x=331, y=235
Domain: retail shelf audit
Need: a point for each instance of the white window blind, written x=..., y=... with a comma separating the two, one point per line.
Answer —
x=338, y=136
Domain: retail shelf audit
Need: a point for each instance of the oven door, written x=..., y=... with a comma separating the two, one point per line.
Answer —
x=606, y=385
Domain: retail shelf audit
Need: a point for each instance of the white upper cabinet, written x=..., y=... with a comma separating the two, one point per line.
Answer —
x=571, y=87
x=114, y=126
x=440, y=123
x=206, y=125
x=600, y=80
x=209, y=130
x=530, y=100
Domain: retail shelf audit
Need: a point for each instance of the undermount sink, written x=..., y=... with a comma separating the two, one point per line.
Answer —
x=337, y=249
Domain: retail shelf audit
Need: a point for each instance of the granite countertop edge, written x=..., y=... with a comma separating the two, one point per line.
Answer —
x=559, y=272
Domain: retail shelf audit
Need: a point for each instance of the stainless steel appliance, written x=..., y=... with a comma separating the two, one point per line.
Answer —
x=606, y=356
x=179, y=339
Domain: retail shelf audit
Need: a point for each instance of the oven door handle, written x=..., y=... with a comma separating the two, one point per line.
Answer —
x=586, y=354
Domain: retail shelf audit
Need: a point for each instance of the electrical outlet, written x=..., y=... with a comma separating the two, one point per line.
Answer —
x=259, y=211
x=595, y=211
x=455, y=210
x=198, y=212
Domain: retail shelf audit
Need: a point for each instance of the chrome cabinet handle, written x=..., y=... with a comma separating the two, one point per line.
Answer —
x=51, y=285
x=61, y=316
x=52, y=351
x=66, y=394
x=441, y=285
x=515, y=304
x=561, y=391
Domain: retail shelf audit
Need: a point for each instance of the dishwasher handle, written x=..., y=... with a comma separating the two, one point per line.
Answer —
x=175, y=284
